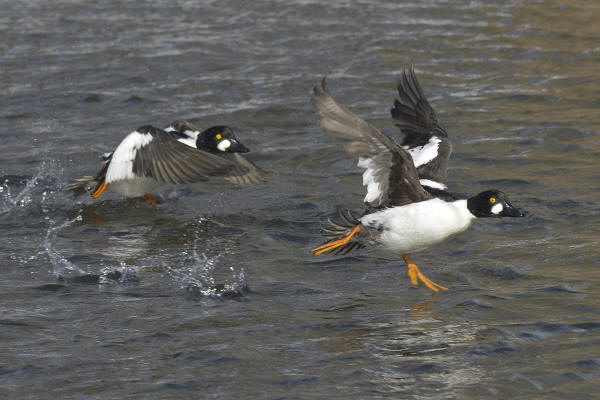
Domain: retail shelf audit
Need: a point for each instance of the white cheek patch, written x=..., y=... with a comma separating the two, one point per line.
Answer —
x=497, y=209
x=224, y=145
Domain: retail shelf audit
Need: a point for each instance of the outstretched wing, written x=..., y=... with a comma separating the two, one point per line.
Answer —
x=153, y=153
x=245, y=171
x=390, y=175
x=425, y=139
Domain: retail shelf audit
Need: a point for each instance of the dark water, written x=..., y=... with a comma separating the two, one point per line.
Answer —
x=213, y=294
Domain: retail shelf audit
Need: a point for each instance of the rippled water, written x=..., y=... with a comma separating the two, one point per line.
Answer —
x=213, y=294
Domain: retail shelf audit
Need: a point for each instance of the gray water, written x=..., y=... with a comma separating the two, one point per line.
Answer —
x=214, y=293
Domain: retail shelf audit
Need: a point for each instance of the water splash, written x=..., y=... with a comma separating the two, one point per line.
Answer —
x=65, y=270
x=47, y=171
x=110, y=275
x=61, y=267
x=22, y=198
x=198, y=274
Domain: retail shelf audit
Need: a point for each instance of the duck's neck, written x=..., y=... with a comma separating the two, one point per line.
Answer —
x=463, y=207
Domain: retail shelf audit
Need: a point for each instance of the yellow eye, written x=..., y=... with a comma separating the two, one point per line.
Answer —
x=219, y=136
x=492, y=200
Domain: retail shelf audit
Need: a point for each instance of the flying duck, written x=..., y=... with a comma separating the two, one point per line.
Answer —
x=149, y=158
x=402, y=216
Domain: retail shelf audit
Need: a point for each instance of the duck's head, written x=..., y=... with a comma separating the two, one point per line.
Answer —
x=220, y=139
x=492, y=203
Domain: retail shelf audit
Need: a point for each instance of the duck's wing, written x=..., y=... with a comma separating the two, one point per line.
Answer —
x=150, y=152
x=425, y=139
x=390, y=175
x=245, y=171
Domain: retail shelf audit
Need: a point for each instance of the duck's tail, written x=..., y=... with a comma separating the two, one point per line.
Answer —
x=341, y=235
x=82, y=185
x=89, y=184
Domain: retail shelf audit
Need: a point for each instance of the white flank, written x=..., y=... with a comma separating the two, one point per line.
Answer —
x=224, y=144
x=135, y=187
x=417, y=226
x=121, y=165
x=423, y=154
x=497, y=209
x=433, y=184
x=374, y=189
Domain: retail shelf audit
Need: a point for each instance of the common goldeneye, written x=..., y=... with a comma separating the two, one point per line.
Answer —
x=149, y=158
x=401, y=217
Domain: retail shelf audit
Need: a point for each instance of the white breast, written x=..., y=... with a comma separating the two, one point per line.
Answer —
x=417, y=226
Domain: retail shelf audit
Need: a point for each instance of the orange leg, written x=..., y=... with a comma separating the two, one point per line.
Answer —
x=335, y=243
x=152, y=199
x=100, y=189
x=416, y=275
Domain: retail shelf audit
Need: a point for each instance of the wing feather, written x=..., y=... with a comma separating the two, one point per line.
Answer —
x=425, y=139
x=390, y=175
x=166, y=159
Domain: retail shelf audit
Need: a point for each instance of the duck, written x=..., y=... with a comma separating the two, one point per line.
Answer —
x=150, y=157
x=408, y=208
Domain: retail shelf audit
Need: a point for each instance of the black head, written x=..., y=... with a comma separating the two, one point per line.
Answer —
x=492, y=203
x=220, y=139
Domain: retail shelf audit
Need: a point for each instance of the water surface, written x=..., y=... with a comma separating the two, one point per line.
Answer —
x=213, y=293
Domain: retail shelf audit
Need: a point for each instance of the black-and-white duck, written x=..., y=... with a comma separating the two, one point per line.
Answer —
x=149, y=158
x=402, y=217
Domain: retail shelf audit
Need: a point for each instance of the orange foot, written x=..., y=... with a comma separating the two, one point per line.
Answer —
x=152, y=200
x=416, y=275
x=101, y=188
x=334, y=244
